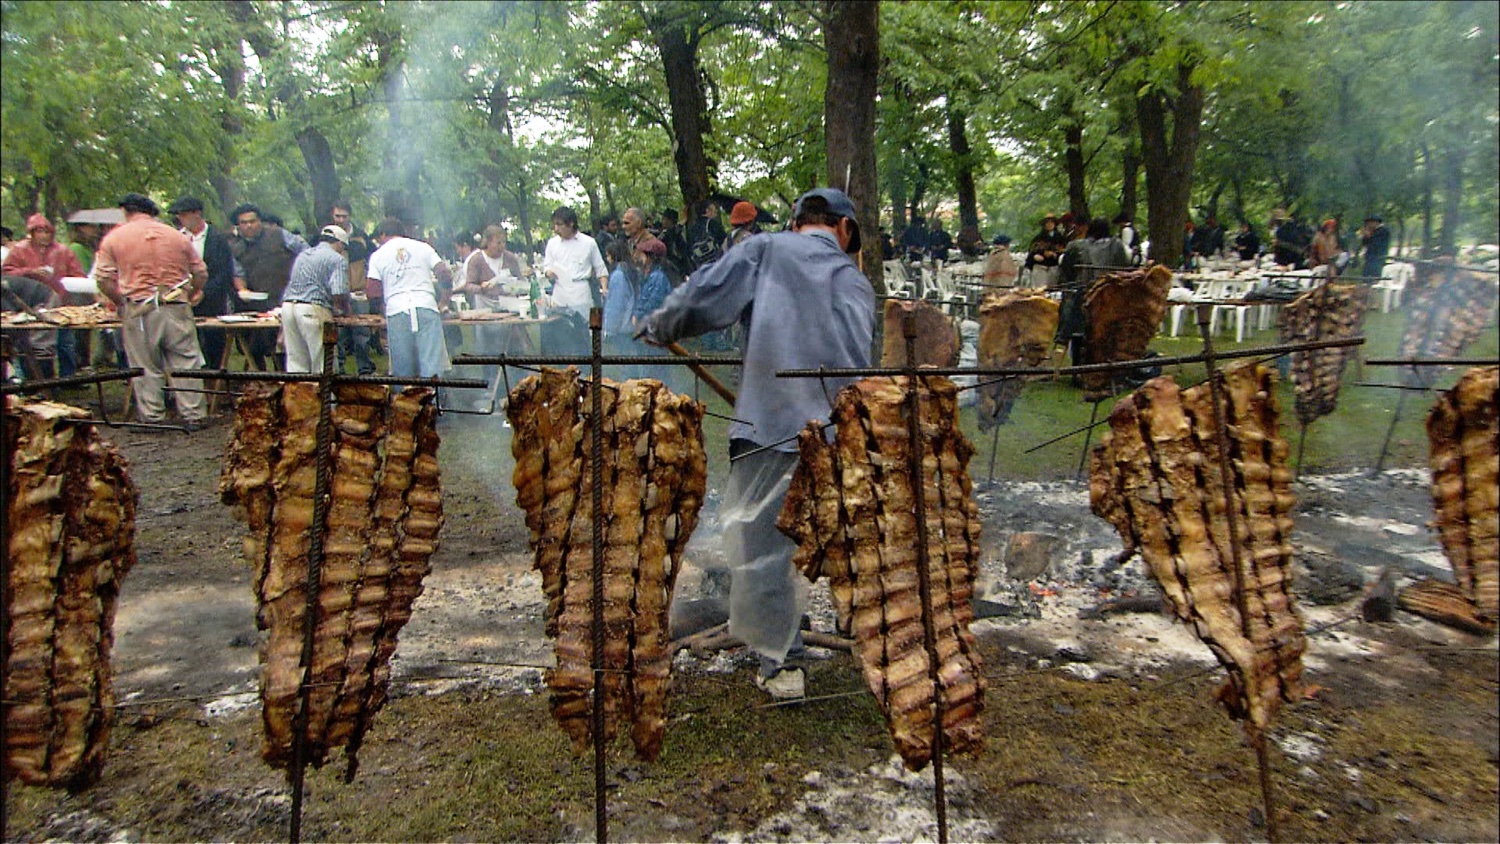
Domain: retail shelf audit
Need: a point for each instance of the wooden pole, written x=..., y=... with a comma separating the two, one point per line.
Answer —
x=702, y=372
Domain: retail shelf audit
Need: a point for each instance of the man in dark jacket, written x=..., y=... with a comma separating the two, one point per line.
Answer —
x=1376, y=239
x=677, y=262
x=266, y=258
x=213, y=248
x=705, y=236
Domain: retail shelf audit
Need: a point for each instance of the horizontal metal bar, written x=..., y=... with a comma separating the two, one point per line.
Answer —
x=1397, y=387
x=1447, y=265
x=292, y=377
x=1433, y=362
x=148, y=426
x=584, y=360
x=204, y=392
x=1117, y=366
x=72, y=381
x=771, y=447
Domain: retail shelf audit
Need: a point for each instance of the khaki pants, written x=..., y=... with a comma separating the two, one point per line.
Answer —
x=302, y=332
x=158, y=338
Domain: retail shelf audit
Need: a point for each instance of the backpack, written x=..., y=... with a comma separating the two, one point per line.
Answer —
x=705, y=251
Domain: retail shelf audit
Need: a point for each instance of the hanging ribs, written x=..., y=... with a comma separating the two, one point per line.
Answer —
x=851, y=510
x=1123, y=311
x=1157, y=478
x=379, y=533
x=1329, y=311
x=1463, y=429
x=654, y=477
x=1016, y=328
x=937, y=341
x=1447, y=315
x=70, y=541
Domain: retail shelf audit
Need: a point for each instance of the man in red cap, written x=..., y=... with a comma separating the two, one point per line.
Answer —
x=41, y=258
x=742, y=221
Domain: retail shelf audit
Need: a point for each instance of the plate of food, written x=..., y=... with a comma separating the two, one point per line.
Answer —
x=253, y=296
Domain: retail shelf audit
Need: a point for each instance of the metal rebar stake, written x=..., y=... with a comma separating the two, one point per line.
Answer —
x=5, y=458
x=1301, y=444
x=994, y=449
x=596, y=469
x=1088, y=436
x=924, y=577
x=1236, y=559
x=321, y=485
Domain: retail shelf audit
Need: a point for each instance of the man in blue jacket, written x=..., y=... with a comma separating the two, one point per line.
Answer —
x=803, y=304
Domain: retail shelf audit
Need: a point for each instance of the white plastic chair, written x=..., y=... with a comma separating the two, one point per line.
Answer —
x=1228, y=290
x=1204, y=293
x=896, y=281
x=1392, y=283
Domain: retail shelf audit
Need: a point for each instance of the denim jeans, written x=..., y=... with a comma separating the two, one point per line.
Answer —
x=418, y=352
x=355, y=340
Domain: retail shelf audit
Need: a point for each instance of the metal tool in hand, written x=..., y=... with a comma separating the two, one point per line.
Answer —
x=702, y=372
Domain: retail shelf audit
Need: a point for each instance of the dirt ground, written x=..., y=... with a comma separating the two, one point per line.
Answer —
x=1099, y=728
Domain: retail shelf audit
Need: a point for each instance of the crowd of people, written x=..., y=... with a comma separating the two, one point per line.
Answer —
x=257, y=265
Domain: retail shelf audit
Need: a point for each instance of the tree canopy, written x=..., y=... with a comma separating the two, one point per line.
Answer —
x=457, y=114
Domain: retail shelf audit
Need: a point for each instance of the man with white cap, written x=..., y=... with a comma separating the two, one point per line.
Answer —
x=803, y=304
x=318, y=289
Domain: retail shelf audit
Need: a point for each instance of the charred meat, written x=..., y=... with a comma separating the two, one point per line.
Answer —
x=654, y=476
x=851, y=509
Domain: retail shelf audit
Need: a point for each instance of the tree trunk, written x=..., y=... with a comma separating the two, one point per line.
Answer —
x=1168, y=155
x=918, y=193
x=232, y=71
x=963, y=168
x=1453, y=189
x=1078, y=198
x=593, y=216
x=677, y=42
x=852, y=39
x=1239, y=200
x=323, y=173
x=1130, y=168
x=30, y=198
x=898, y=207
x=499, y=122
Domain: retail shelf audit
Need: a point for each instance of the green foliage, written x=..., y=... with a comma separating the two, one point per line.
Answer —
x=100, y=99
x=466, y=113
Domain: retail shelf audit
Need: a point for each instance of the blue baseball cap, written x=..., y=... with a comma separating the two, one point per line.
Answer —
x=838, y=203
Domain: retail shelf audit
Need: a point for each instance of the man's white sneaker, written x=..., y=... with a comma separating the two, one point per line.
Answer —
x=786, y=684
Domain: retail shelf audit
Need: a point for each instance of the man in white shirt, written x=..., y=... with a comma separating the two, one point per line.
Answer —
x=409, y=272
x=579, y=282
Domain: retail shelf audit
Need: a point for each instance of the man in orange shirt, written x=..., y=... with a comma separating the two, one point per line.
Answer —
x=154, y=276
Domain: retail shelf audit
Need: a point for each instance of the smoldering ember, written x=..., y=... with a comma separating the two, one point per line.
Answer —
x=750, y=421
